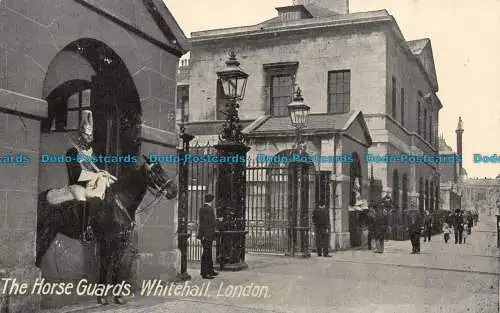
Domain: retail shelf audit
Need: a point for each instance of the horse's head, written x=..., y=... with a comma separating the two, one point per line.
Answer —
x=158, y=181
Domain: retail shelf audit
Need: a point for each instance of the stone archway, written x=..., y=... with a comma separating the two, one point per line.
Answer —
x=86, y=74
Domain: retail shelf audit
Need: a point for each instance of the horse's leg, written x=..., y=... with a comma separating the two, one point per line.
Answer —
x=105, y=258
x=45, y=236
x=116, y=265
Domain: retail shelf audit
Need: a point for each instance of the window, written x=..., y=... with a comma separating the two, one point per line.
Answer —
x=183, y=101
x=431, y=133
x=221, y=102
x=281, y=94
x=403, y=106
x=65, y=113
x=405, y=192
x=339, y=91
x=421, y=195
x=395, y=188
x=425, y=124
x=393, y=97
x=419, y=118
x=427, y=195
x=280, y=84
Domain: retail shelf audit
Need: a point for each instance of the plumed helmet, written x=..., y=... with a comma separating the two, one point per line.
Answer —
x=87, y=126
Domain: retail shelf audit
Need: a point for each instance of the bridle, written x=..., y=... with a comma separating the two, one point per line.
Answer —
x=157, y=185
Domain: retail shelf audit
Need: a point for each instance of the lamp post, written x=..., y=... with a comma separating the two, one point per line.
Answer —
x=298, y=235
x=498, y=223
x=231, y=176
x=182, y=230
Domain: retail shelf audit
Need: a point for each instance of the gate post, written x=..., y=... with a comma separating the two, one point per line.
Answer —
x=182, y=230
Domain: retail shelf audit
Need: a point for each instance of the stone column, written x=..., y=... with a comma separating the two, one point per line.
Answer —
x=20, y=138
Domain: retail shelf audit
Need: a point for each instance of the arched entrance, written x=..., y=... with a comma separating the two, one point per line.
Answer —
x=85, y=75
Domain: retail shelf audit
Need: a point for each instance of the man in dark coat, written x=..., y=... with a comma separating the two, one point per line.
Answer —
x=206, y=233
x=370, y=223
x=427, y=226
x=381, y=223
x=458, y=226
x=414, y=230
x=321, y=221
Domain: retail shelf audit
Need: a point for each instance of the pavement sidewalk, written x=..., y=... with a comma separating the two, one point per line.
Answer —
x=444, y=278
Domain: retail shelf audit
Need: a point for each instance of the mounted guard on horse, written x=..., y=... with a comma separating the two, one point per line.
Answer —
x=87, y=183
x=109, y=203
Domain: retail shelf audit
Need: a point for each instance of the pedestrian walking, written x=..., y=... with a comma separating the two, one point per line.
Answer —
x=458, y=226
x=414, y=230
x=321, y=221
x=206, y=233
x=446, y=232
x=465, y=232
x=470, y=221
x=427, y=226
x=381, y=223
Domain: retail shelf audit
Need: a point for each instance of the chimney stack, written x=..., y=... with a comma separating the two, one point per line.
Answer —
x=339, y=6
x=459, y=131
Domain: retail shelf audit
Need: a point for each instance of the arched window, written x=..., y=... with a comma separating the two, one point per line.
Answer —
x=65, y=105
x=405, y=192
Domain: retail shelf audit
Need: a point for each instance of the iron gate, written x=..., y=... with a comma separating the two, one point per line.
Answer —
x=268, y=202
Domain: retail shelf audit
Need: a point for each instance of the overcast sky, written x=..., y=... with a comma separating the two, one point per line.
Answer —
x=465, y=37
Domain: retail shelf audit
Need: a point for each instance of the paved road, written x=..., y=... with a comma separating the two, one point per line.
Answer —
x=443, y=278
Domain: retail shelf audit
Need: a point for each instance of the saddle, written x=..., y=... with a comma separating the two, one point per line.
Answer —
x=74, y=192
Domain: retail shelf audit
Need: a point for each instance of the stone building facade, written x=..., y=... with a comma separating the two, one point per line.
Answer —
x=51, y=51
x=481, y=195
x=342, y=62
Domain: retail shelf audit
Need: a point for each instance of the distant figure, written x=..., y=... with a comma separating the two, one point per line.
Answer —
x=321, y=221
x=446, y=232
x=414, y=231
x=470, y=221
x=381, y=223
x=206, y=233
x=370, y=223
x=458, y=226
x=465, y=232
x=427, y=226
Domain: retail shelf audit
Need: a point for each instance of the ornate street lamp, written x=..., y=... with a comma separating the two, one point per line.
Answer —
x=182, y=228
x=231, y=180
x=298, y=235
x=299, y=115
x=233, y=79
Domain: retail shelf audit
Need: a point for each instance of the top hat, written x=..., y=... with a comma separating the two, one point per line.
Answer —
x=87, y=125
x=209, y=198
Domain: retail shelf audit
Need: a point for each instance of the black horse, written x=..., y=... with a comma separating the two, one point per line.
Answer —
x=112, y=221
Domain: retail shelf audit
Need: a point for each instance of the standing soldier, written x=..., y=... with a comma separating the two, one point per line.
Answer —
x=206, y=233
x=321, y=221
